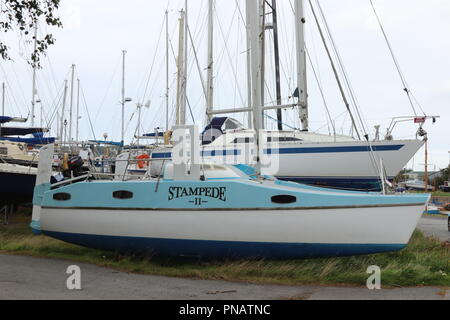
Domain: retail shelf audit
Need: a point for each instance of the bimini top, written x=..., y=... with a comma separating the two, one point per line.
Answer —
x=218, y=126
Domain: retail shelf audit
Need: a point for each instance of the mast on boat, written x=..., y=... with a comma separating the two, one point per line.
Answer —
x=301, y=63
x=210, y=88
x=71, y=103
x=78, y=109
x=123, y=98
x=255, y=28
x=277, y=63
x=167, y=70
x=3, y=99
x=181, y=77
x=61, y=134
x=33, y=94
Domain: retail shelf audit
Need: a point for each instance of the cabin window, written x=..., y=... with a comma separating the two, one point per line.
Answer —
x=4, y=151
x=284, y=199
x=62, y=196
x=283, y=139
x=122, y=194
x=243, y=140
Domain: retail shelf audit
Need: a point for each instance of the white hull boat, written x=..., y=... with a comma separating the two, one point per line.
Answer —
x=223, y=213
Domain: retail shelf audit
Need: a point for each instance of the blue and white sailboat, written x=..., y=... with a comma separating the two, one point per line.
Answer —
x=218, y=211
x=215, y=211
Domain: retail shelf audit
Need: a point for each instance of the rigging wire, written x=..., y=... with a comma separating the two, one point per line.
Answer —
x=397, y=64
x=87, y=111
x=230, y=60
x=321, y=91
x=108, y=89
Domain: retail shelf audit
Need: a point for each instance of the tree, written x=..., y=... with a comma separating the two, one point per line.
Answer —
x=23, y=16
x=443, y=177
x=402, y=176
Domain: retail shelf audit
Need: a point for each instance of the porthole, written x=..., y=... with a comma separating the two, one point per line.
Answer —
x=61, y=196
x=284, y=199
x=122, y=194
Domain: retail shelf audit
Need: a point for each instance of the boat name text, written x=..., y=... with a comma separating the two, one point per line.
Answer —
x=210, y=192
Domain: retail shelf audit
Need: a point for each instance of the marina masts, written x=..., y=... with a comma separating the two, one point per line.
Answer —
x=78, y=109
x=167, y=70
x=3, y=99
x=33, y=94
x=61, y=128
x=181, y=76
x=210, y=88
x=71, y=103
x=123, y=98
x=277, y=63
x=301, y=63
x=255, y=28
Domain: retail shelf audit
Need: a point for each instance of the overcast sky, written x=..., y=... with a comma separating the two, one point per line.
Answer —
x=96, y=32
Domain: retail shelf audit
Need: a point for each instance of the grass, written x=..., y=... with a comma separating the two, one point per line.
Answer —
x=424, y=262
x=433, y=193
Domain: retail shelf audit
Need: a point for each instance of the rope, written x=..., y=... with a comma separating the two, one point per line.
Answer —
x=397, y=64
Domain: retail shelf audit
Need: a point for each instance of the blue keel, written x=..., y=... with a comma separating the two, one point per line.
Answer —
x=220, y=249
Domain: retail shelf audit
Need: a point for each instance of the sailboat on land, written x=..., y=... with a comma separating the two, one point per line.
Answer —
x=198, y=209
x=218, y=211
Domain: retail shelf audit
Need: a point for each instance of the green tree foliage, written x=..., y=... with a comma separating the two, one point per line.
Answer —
x=444, y=176
x=402, y=176
x=22, y=16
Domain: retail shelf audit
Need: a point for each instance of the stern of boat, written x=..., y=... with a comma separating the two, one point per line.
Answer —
x=42, y=185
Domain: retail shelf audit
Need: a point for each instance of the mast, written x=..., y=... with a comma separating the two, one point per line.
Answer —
x=210, y=88
x=255, y=28
x=71, y=103
x=301, y=63
x=181, y=80
x=78, y=108
x=277, y=63
x=3, y=99
x=33, y=94
x=167, y=70
x=185, y=50
x=262, y=43
x=254, y=23
x=123, y=98
x=62, y=113
x=249, y=62
x=426, y=179
x=336, y=75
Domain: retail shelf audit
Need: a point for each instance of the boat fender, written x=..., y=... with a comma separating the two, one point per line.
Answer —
x=141, y=161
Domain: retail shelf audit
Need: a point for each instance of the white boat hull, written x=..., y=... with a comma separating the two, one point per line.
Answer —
x=346, y=164
x=294, y=232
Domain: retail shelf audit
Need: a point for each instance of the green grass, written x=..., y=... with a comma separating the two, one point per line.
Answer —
x=424, y=262
x=433, y=193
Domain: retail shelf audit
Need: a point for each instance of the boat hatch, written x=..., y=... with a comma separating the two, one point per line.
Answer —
x=284, y=199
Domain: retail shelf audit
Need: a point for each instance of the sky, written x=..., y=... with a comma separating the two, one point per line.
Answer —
x=96, y=32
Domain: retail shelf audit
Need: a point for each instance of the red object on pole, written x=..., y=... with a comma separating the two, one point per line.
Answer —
x=420, y=120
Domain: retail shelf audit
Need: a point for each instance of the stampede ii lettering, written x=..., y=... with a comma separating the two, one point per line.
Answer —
x=211, y=192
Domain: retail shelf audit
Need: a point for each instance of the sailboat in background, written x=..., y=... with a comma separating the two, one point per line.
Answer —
x=327, y=160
